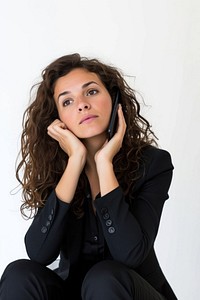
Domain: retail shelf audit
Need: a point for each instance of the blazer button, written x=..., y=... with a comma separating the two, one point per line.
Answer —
x=50, y=217
x=106, y=216
x=44, y=229
x=48, y=223
x=104, y=210
x=111, y=229
x=108, y=223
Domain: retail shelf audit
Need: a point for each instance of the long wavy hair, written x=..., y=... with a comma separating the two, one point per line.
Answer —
x=42, y=161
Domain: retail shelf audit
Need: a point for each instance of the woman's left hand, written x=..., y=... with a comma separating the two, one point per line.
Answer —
x=112, y=147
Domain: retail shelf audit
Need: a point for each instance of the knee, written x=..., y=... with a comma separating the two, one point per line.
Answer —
x=104, y=277
x=18, y=270
x=104, y=272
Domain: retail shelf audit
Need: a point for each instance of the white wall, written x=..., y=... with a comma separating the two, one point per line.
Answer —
x=158, y=42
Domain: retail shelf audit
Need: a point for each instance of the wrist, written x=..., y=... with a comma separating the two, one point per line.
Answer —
x=103, y=165
x=107, y=178
x=66, y=187
x=77, y=160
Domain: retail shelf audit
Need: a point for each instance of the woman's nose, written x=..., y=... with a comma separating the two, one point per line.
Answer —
x=83, y=106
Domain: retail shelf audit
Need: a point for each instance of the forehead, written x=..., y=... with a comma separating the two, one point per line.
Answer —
x=76, y=78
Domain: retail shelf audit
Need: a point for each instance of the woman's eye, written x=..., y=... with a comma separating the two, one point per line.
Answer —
x=92, y=92
x=67, y=102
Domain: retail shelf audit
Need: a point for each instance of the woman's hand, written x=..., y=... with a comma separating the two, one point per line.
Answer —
x=76, y=151
x=112, y=147
x=66, y=139
x=104, y=157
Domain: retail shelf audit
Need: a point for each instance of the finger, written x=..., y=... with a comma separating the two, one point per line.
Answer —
x=121, y=121
x=57, y=122
x=55, y=126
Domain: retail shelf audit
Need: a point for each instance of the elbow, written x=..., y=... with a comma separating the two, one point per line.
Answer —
x=134, y=257
x=38, y=254
x=133, y=260
x=39, y=258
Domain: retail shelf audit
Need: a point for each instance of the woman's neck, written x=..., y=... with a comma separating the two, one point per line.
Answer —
x=93, y=145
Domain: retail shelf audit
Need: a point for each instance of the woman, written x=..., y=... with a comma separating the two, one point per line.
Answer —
x=97, y=202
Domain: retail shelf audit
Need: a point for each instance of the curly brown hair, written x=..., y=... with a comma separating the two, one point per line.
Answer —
x=43, y=161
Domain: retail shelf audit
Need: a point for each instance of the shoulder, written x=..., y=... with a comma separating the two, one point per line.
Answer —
x=154, y=162
x=155, y=167
x=153, y=155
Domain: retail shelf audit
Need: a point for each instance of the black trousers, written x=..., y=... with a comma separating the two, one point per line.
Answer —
x=107, y=280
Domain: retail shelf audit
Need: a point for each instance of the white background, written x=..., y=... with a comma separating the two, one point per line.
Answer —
x=158, y=43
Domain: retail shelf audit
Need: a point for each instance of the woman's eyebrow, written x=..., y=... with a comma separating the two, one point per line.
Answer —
x=83, y=86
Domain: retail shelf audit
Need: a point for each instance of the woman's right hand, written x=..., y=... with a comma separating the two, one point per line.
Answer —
x=66, y=139
x=76, y=151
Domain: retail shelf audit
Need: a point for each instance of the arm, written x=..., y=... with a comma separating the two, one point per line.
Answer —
x=135, y=229
x=104, y=157
x=77, y=157
x=44, y=237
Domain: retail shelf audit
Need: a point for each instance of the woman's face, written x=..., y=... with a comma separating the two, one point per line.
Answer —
x=83, y=103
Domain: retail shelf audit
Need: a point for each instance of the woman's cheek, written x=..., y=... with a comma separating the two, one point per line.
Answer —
x=69, y=126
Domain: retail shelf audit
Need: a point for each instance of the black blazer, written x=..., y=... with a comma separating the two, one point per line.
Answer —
x=130, y=238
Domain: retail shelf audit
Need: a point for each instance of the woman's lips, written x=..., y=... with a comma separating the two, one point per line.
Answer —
x=88, y=119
